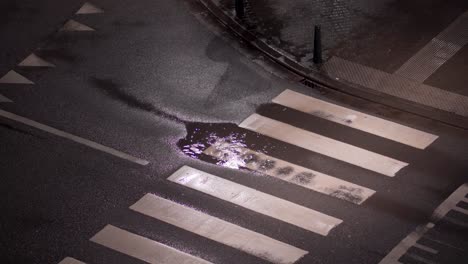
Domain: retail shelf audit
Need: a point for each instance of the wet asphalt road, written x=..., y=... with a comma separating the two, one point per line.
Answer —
x=157, y=72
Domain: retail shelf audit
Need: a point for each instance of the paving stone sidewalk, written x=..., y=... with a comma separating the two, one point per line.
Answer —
x=378, y=36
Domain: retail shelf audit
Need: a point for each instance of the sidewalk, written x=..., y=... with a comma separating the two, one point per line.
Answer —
x=409, y=50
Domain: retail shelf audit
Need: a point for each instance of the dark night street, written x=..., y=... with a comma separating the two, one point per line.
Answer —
x=172, y=132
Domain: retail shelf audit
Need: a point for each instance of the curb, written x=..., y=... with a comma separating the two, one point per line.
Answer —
x=312, y=78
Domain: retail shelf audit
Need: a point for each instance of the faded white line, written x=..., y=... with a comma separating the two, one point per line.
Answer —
x=237, y=156
x=358, y=120
x=69, y=260
x=142, y=248
x=218, y=230
x=4, y=99
x=71, y=137
x=14, y=78
x=421, y=230
x=425, y=248
x=437, y=52
x=34, y=61
x=323, y=145
x=254, y=200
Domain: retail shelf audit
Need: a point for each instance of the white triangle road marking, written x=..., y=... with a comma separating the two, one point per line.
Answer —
x=14, y=77
x=35, y=61
x=73, y=25
x=4, y=99
x=89, y=8
x=69, y=260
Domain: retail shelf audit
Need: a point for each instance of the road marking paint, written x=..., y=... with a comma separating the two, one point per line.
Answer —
x=73, y=25
x=89, y=8
x=404, y=245
x=430, y=238
x=237, y=156
x=461, y=210
x=142, y=248
x=35, y=61
x=421, y=230
x=451, y=202
x=323, y=145
x=69, y=260
x=71, y=137
x=425, y=248
x=456, y=221
x=254, y=200
x=397, y=86
x=14, y=77
x=218, y=230
x=4, y=99
x=437, y=52
x=358, y=120
x=421, y=259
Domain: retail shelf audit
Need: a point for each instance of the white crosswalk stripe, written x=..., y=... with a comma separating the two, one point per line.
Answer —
x=69, y=260
x=358, y=120
x=323, y=145
x=238, y=156
x=142, y=248
x=218, y=230
x=256, y=201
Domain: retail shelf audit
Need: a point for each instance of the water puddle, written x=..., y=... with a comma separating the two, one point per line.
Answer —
x=225, y=138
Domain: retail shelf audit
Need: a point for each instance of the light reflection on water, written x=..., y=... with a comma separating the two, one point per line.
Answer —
x=231, y=147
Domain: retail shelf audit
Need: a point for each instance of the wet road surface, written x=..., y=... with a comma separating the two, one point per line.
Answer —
x=160, y=82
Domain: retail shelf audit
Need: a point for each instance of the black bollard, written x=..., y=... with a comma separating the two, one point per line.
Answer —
x=240, y=8
x=317, y=45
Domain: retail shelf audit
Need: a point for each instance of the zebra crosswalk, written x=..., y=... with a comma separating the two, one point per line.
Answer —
x=314, y=180
x=323, y=145
x=254, y=200
x=217, y=229
x=232, y=194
